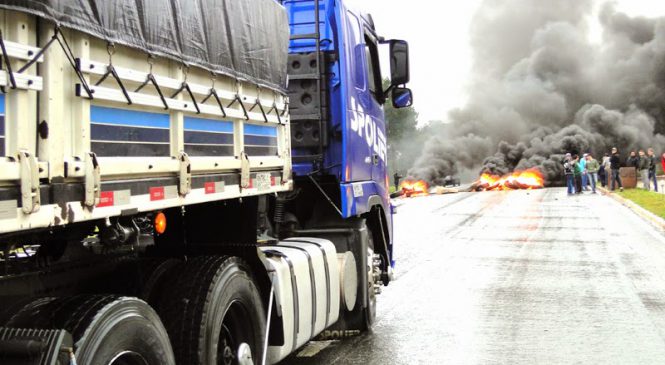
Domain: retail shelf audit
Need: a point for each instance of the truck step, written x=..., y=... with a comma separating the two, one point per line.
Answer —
x=313, y=76
x=305, y=36
x=315, y=117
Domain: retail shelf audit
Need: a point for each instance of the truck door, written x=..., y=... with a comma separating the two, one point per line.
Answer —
x=373, y=106
x=358, y=162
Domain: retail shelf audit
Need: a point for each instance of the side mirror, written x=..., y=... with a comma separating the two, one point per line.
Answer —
x=399, y=62
x=402, y=97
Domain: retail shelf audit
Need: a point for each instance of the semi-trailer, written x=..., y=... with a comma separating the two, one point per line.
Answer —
x=191, y=182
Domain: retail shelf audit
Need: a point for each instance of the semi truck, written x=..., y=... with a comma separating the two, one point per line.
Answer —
x=191, y=181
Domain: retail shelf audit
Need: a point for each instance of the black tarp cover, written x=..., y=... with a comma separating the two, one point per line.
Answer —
x=245, y=39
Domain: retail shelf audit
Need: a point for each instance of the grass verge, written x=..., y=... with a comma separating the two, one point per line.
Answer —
x=653, y=202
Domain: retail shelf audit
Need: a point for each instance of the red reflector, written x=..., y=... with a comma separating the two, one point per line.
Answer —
x=157, y=193
x=105, y=199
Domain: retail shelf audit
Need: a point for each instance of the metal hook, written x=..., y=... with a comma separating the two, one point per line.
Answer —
x=110, y=49
x=238, y=99
x=274, y=107
x=185, y=86
x=238, y=87
x=150, y=78
x=258, y=103
x=151, y=62
x=213, y=93
x=185, y=71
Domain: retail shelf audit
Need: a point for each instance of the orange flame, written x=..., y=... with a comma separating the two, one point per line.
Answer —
x=526, y=179
x=411, y=188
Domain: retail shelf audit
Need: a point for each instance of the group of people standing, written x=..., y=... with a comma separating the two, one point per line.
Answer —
x=580, y=173
x=587, y=171
x=645, y=166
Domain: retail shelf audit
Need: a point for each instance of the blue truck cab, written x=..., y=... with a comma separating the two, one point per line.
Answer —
x=338, y=127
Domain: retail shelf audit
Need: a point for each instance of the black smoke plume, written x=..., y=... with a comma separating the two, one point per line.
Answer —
x=542, y=88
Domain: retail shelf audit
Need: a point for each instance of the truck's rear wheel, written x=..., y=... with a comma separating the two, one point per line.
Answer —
x=107, y=330
x=212, y=307
x=150, y=277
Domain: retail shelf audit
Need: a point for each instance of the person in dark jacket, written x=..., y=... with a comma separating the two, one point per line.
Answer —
x=615, y=165
x=568, y=171
x=633, y=161
x=577, y=174
x=397, y=177
x=604, y=171
x=652, y=169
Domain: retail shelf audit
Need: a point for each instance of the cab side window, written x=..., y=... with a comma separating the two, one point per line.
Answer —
x=357, y=50
x=373, y=70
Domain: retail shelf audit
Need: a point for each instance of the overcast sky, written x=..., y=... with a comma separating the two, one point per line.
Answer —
x=437, y=32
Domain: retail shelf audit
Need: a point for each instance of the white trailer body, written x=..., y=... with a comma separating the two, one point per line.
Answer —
x=126, y=148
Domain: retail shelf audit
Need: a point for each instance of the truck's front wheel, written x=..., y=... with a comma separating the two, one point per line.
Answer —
x=211, y=308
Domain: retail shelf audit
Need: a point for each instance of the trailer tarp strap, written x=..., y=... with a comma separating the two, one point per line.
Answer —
x=213, y=93
x=110, y=70
x=150, y=79
x=5, y=59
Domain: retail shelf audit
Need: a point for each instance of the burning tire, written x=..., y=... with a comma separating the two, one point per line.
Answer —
x=212, y=307
x=106, y=329
x=524, y=180
x=412, y=188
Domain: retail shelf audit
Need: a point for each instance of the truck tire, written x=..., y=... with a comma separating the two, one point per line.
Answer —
x=210, y=308
x=107, y=330
x=150, y=277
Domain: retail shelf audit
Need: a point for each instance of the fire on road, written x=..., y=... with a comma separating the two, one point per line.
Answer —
x=515, y=277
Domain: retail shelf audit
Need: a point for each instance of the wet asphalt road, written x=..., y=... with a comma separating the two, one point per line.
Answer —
x=515, y=278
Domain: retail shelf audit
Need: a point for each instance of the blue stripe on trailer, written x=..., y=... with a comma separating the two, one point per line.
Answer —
x=100, y=114
x=122, y=133
x=2, y=104
x=260, y=130
x=208, y=137
x=208, y=125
